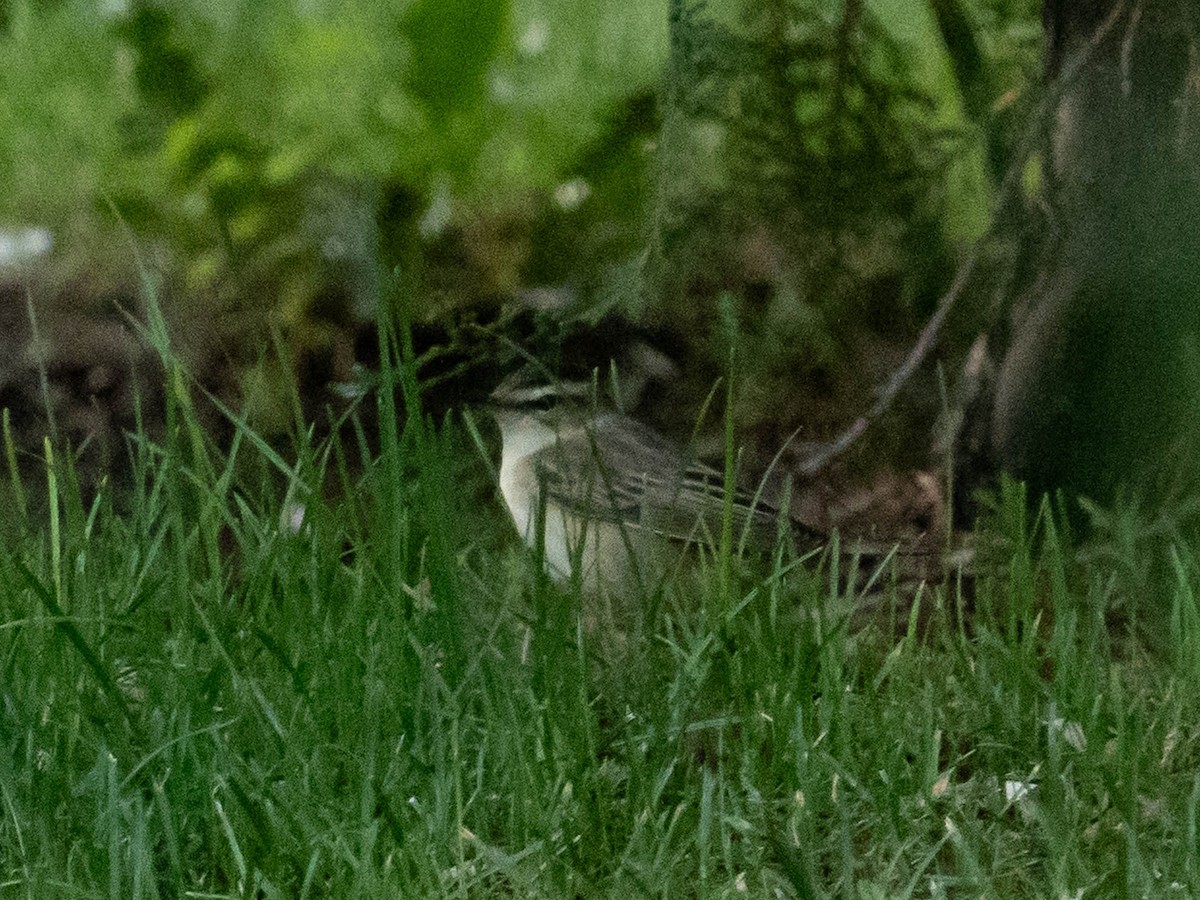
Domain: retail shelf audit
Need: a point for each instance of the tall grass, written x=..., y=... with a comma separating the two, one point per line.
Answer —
x=201, y=696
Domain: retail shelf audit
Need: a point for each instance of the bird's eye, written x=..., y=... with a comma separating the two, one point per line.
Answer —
x=544, y=403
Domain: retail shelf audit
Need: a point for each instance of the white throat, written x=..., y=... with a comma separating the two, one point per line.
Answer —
x=520, y=435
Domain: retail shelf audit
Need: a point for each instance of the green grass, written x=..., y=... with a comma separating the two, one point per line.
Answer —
x=393, y=702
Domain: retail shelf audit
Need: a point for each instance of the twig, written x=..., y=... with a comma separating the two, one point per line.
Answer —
x=1005, y=195
x=1135, y=16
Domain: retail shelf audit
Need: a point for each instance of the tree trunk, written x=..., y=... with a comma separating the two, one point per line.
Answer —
x=1103, y=375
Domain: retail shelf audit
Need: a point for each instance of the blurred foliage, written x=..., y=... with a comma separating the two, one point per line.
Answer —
x=492, y=95
x=276, y=158
x=206, y=123
x=858, y=112
x=283, y=158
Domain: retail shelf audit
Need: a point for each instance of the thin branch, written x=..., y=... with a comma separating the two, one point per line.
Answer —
x=1135, y=17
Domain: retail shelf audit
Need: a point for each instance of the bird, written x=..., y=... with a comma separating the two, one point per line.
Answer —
x=606, y=498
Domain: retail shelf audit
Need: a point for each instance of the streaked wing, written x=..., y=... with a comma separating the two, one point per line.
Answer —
x=635, y=476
